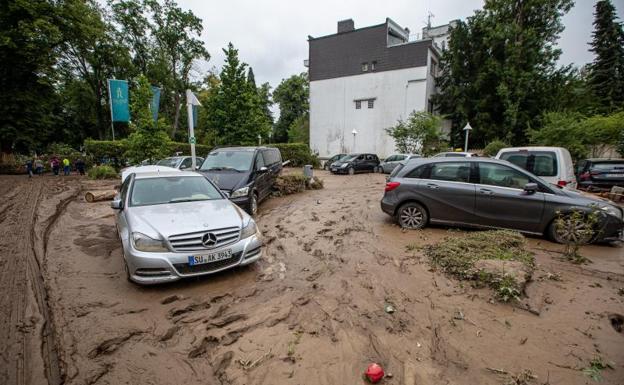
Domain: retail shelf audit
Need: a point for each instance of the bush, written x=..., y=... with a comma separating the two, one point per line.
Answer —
x=493, y=147
x=299, y=154
x=103, y=149
x=102, y=172
x=185, y=149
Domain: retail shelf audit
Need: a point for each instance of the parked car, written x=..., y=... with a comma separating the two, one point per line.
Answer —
x=552, y=164
x=331, y=160
x=454, y=154
x=245, y=174
x=355, y=163
x=600, y=174
x=180, y=162
x=392, y=161
x=489, y=193
x=178, y=224
x=144, y=169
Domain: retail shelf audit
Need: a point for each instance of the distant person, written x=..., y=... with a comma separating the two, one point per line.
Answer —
x=80, y=166
x=29, y=167
x=39, y=167
x=56, y=165
x=66, y=167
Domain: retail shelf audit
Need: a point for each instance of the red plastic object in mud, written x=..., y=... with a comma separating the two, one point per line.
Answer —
x=374, y=373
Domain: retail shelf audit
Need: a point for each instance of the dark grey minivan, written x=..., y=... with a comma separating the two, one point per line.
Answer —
x=245, y=174
x=489, y=193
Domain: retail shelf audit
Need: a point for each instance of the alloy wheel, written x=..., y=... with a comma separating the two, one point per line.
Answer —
x=570, y=230
x=351, y=171
x=411, y=218
x=253, y=204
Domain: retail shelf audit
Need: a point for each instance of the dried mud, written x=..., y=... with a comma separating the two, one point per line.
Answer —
x=310, y=312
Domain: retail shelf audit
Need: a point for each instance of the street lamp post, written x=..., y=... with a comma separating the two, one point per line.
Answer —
x=259, y=140
x=467, y=129
x=354, y=132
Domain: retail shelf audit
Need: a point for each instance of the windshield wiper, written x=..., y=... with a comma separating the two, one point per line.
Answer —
x=222, y=168
x=179, y=200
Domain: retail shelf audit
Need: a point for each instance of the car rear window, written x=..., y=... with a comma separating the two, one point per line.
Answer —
x=540, y=163
x=608, y=166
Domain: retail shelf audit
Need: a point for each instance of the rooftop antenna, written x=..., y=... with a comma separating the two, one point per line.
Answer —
x=429, y=16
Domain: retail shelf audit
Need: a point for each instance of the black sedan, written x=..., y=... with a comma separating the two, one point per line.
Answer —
x=355, y=163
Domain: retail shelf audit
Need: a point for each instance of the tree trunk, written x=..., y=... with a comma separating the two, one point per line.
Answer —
x=95, y=196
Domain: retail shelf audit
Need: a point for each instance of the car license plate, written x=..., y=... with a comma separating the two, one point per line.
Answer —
x=334, y=169
x=614, y=175
x=208, y=258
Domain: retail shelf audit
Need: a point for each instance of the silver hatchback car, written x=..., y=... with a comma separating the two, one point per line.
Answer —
x=179, y=224
x=490, y=193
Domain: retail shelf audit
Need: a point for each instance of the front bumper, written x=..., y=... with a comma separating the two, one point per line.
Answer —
x=611, y=229
x=242, y=202
x=339, y=170
x=153, y=268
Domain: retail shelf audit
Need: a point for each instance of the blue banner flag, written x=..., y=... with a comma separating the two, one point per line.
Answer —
x=118, y=93
x=155, y=102
x=195, y=114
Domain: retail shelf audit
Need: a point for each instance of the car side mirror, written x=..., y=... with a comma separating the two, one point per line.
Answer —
x=117, y=204
x=530, y=188
x=263, y=169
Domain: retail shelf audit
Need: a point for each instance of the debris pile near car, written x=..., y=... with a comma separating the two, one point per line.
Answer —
x=295, y=183
x=497, y=259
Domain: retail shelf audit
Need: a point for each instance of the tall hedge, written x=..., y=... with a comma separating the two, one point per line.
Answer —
x=116, y=149
x=299, y=154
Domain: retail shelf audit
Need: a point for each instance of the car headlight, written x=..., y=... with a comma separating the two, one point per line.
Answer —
x=613, y=211
x=249, y=230
x=144, y=243
x=344, y=165
x=241, y=192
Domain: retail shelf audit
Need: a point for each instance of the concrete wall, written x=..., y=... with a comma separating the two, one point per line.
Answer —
x=333, y=115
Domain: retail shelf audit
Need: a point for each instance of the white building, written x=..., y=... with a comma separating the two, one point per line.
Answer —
x=363, y=81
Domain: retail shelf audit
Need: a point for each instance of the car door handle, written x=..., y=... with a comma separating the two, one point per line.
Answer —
x=486, y=191
x=432, y=185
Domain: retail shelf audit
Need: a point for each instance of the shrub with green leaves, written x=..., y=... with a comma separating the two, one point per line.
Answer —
x=299, y=154
x=102, y=172
x=493, y=147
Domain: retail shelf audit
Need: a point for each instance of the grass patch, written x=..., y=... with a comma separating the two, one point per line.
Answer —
x=102, y=172
x=496, y=259
x=595, y=368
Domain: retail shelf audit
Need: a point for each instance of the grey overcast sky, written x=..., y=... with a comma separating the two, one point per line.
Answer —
x=271, y=35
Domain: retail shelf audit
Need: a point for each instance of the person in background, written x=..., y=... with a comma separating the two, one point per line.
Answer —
x=39, y=167
x=29, y=167
x=56, y=165
x=66, y=166
x=80, y=166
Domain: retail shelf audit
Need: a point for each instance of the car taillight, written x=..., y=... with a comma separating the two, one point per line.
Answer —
x=392, y=185
x=562, y=183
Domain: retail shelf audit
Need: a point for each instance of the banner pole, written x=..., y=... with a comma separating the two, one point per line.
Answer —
x=110, y=105
x=189, y=109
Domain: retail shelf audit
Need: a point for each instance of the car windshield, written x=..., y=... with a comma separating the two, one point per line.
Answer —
x=540, y=163
x=168, y=162
x=228, y=160
x=608, y=166
x=174, y=189
x=347, y=158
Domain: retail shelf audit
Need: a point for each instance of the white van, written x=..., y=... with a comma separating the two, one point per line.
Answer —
x=553, y=164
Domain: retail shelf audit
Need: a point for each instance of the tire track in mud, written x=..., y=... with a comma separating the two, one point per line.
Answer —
x=29, y=354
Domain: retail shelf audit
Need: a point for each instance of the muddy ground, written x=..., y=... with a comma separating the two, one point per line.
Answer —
x=310, y=312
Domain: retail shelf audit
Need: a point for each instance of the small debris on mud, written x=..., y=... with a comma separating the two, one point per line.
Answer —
x=170, y=299
x=388, y=308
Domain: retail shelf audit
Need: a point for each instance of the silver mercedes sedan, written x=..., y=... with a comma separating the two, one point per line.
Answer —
x=178, y=224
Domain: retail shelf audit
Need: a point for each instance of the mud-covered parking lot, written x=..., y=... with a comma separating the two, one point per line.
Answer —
x=310, y=312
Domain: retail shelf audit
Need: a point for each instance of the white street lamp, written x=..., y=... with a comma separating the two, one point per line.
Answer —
x=259, y=140
x=354, y=132
x=467, y=129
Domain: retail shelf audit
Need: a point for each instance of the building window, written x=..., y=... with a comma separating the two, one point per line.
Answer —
x=373, y=65
x=433, y=69
x=358, y=104
x=371, y=103
x=364, y=67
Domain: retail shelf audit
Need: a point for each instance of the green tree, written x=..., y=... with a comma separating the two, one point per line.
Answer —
x=176, y=33
x=292, y=95
x=420, y=134
x=235, y=113
x=29, y=40
x=493, y=147
x=149, y=140
x=266, y=101
x=606, y=76
x=299, y=130
x=500, y=71
x=582, y=136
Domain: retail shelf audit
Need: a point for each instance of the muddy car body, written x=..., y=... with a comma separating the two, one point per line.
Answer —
x=488, y=193
x=179, y=224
